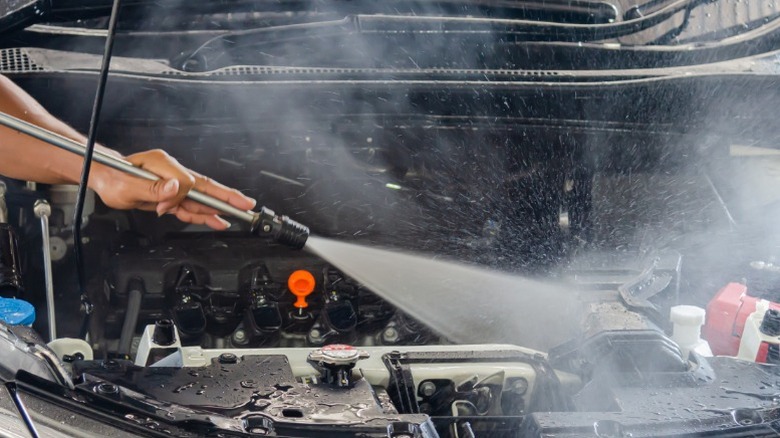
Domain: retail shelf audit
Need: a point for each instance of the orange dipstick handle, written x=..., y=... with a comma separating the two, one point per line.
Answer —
x=301, y=284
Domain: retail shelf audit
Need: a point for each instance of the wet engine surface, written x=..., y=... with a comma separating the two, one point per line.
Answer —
x=232, y=387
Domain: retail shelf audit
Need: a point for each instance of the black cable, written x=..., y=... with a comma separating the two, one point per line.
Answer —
x=93, y=124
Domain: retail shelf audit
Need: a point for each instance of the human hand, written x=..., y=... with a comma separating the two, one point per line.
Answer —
x=168, y=194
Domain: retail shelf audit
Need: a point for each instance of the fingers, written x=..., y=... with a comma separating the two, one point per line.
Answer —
x=210, y=220
x=188, y=204
x=231, y=196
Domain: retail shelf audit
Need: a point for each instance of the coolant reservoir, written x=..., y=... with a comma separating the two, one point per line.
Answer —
x=687, y=322
x=16, y=312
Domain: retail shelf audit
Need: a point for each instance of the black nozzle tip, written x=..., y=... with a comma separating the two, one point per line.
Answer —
x=281, y=229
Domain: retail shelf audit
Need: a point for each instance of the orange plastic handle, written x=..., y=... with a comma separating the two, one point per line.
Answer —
x=301, y=284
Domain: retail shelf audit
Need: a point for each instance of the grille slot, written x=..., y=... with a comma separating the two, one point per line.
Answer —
x=16, y=60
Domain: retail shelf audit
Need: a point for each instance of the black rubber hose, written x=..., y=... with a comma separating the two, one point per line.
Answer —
x=135, y=294
x=93, y=125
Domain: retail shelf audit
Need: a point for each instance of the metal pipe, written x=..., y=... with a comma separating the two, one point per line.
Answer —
x=116, y=163
x=42, y=210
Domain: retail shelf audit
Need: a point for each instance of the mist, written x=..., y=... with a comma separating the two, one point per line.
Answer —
x=385, y=150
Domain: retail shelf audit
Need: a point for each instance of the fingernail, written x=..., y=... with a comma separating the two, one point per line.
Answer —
x=171, y=186
x=254, y=203
x=224, y=222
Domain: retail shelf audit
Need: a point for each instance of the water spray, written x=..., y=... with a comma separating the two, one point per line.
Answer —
x=265, y=222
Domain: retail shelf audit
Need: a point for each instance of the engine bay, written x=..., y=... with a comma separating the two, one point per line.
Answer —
x=182, y=320
x=579, y=252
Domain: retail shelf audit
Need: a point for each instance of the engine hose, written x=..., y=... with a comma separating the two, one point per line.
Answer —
x=135, y=294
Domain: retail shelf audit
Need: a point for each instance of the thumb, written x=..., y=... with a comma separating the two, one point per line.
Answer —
x=163, y=190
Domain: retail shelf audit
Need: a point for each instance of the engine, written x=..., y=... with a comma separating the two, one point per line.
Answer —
x=241, y=292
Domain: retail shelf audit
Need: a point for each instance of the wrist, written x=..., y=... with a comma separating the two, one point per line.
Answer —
x=99, y=177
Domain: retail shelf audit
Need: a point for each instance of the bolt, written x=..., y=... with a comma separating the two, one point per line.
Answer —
x=239, y=337
x=107, y=389
x=267, y=228
x=41, y=208
x=228, y=358
x=428, y=388
x=520, y=386
x=390, y=335
x=315, y=334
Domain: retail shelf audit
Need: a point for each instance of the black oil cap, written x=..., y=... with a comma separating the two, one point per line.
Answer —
x=281, y=229
x=770, y=326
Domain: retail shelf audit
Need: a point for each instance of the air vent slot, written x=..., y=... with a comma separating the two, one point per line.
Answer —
x=258, y=70
x=242, y=70
x=16, y=60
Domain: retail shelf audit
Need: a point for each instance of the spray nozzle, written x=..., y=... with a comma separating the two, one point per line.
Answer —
x=281, y=229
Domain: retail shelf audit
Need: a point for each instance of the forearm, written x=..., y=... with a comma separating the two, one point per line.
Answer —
x=23, y=157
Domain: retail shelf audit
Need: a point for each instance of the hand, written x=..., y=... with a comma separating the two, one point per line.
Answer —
x=168, y=194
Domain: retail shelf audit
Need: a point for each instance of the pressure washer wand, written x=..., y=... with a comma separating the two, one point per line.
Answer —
x=265, y=222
